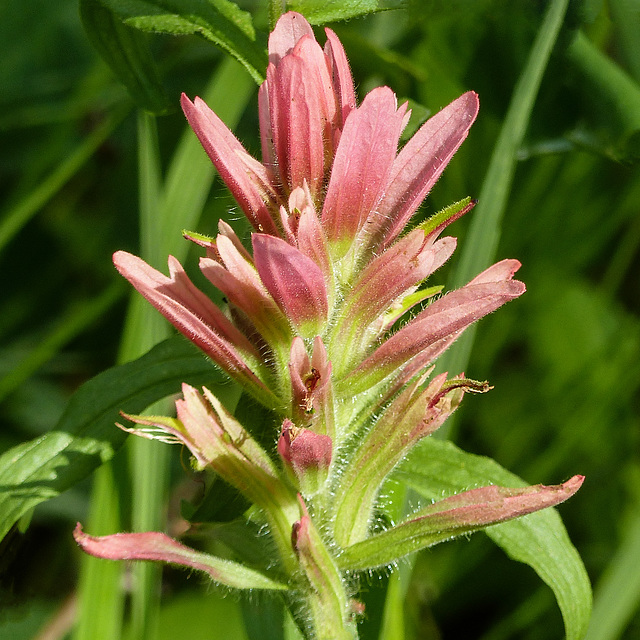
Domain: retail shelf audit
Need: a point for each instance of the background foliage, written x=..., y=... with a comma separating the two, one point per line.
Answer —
x=563, y=359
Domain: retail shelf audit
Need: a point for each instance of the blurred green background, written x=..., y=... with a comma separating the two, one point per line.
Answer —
x=563, y=360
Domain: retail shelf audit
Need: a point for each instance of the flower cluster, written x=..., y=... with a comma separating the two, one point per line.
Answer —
x=316, y=328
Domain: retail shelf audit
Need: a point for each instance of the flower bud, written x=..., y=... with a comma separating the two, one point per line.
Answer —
x=307, y=456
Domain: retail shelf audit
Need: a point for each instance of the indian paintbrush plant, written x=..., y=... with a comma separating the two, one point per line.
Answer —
x=330, y=326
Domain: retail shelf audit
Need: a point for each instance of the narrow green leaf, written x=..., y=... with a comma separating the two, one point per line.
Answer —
x=219, y=21
x=126, y=51
x=410, y=301
x=148, y=461
x=443, y=216
x=97, y=578
x=85, y=436
x=436, y=468
x=164, y=210
x=321, y=11
x=482, y=239
x=618, y=591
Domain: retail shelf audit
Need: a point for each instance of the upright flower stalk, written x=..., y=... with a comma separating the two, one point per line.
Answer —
x=317, y=329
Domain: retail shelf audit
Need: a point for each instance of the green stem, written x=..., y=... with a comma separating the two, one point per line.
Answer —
x=482, y=239
x=100, y=581
x=326, y=599
x=148, y=460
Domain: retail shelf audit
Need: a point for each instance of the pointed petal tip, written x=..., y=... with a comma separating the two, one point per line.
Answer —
x=188, y=107
x=471, y=97
x=573, y=484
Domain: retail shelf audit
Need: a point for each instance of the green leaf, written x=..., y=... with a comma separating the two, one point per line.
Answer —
x=321, y=11
x=482, y=238
x=126, y=51
x=436, y=468
x=219, y=21
x=618, y=591
x=86, y=435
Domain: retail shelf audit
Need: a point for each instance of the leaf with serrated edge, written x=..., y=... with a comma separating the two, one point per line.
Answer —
x=220, y=21
x=322, y=11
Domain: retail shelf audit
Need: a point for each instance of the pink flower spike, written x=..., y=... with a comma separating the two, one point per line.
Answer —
x=159, y=547
x=361, y=167
x=420, y=163
x=293, y=280
x=246, y=178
